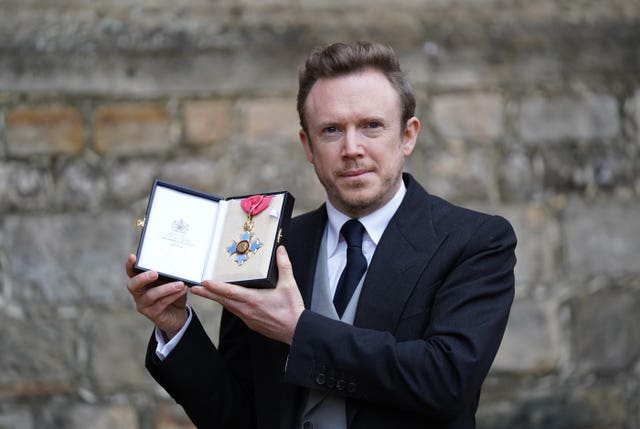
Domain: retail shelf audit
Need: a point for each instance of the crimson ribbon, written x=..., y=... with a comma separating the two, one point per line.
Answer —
x=255, y=204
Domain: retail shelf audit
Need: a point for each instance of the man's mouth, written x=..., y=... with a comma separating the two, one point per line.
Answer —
x=350, y=174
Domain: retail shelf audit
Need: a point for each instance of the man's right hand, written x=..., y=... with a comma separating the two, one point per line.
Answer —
x=165, y=305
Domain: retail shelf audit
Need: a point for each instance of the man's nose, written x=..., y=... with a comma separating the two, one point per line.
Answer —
x=352, y=144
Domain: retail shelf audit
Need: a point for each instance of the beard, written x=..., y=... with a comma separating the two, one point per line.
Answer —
x=360, y=197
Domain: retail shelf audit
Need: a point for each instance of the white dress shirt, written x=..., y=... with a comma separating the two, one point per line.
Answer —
x=374, y=224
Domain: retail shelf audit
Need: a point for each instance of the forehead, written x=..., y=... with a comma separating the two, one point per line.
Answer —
x=368, y=93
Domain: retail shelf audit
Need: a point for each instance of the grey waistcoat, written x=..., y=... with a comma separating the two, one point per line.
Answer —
x=324, y=410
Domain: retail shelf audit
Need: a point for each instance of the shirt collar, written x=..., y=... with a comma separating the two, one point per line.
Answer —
x=375, y=223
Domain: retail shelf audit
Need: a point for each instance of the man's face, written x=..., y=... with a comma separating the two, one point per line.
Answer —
x=355, y=140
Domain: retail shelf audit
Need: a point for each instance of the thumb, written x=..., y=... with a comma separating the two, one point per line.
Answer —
x=285, y=271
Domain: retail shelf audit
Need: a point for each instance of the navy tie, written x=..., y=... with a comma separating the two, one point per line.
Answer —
x=352, y=232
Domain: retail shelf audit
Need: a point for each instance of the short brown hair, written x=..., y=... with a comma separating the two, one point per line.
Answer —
x=341, y=59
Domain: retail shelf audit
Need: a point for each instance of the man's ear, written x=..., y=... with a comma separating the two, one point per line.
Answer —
x=410, y=135
x=306, y=144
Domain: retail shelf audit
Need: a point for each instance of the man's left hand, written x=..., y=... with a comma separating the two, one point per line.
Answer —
x=272, y=312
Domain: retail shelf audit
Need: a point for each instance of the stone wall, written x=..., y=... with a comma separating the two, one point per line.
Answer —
x=529, y=109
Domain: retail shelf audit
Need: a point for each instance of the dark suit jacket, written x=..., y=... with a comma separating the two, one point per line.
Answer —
x=430, y=318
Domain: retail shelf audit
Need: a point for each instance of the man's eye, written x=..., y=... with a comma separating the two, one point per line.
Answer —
x=330, y=130
x=374, y=125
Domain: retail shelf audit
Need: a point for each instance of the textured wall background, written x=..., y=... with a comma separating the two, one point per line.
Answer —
x=529, y=109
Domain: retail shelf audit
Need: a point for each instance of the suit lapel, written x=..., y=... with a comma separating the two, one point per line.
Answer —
x=391, y=279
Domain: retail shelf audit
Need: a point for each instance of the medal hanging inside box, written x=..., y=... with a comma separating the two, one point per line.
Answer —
x=248, y=242
x=191, y=236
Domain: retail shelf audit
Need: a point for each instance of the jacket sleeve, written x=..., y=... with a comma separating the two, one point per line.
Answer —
x=197, y=376
x=440, y=370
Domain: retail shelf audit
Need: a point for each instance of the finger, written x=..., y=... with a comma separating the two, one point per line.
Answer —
x=129, y=264
x=160, y=293
x=159, y=305
x=203, y=292
x=137, y=284
x=224, y=293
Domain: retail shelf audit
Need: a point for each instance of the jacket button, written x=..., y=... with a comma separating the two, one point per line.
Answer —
x=307, y=425
x=331, y=382
x=321, y=378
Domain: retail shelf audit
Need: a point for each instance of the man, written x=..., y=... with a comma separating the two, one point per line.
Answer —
x=409, y=344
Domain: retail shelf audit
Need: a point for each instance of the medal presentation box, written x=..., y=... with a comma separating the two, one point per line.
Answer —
x=194, y=236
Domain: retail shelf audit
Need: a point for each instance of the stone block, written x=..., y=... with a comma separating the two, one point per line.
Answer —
x=607, y=403
x=78, y=184
x=459, y=172
x=270, y=118
x=130, y=128
x=519, y=179
x=44, y=130
x=206, y=121
x=601, y=237
x=67, y=258
x=118, y=342
x=37, y=356
x=118, y=416
x=633, y=108
x=548, y=410
x=604, y=330
x=529, y=345
x=24, y=185
x=473, y=116
x=587, y=117
x=571, y=167
x=203, y=174
x=16, y=417
x=187, y=72
x=131, y=179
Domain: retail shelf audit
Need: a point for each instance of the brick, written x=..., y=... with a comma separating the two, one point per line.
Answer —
x=271, y=118
x=44, y=130
x=601, y=237
x=132, y=129
x=475, y=116
x=587, y=117
x=206, y=121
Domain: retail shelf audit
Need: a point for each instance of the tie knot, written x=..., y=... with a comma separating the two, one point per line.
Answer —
x=352, y=232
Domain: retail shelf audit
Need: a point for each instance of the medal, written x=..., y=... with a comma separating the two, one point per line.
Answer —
x=240, y=250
